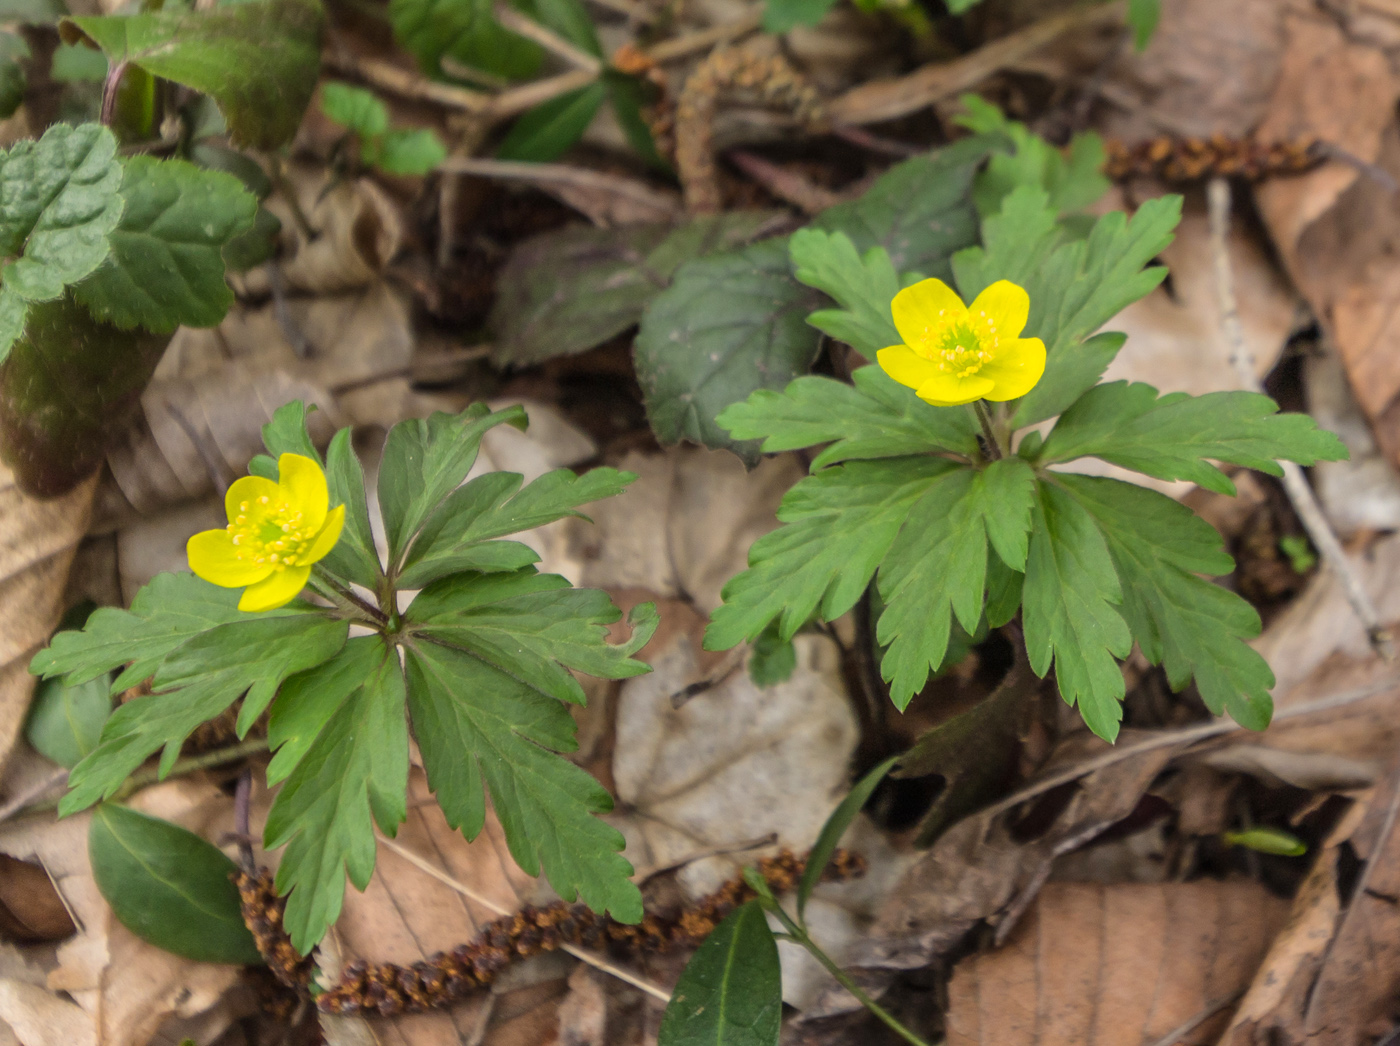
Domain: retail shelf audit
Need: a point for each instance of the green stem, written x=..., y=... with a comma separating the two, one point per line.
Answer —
x=984, y=418
x=339, y=593
x=799, y=934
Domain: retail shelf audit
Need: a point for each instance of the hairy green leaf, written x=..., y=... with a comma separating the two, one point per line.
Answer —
x=731, y=992
x=258, y=59
x=1172, y=436
x=169, y=887
x=356, y=767
x=166, y=267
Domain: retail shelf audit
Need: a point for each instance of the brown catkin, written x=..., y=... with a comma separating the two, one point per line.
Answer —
x=1179, y=160
x=387, y=988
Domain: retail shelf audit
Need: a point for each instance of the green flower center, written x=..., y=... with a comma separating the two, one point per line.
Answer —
x=957, y=348
x=270, y=533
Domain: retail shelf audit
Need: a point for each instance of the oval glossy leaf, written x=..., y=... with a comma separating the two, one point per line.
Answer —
x=731, y=993
x=168, y=886
x=835, y=828
x=65, y=721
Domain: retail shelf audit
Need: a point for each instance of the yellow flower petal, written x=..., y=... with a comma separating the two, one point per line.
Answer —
x=1016, y=369
x=1005, y=306
x=906, y=366
x=214, y=557
x=326, y=539
x=302, y=484
x=249, y=489
x=275, y=591
x=928, y=302
x=946, y=390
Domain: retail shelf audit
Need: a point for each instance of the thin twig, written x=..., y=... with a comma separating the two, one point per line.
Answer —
x=597, y=962
x=547, y=38
x=1211, y=1009
x=1295, y=483
x=389, y=77
x=693, y=43
x=665, y=206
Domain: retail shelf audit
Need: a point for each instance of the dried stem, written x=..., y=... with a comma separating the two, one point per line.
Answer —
x=547, y=38
x=1295, y=483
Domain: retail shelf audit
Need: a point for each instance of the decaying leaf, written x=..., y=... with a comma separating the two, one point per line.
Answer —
x=1117, y=965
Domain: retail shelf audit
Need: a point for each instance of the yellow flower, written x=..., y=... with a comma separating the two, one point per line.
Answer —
x=955, y=353
x=275, y=532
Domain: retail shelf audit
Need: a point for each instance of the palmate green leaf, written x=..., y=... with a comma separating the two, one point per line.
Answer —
x=168, y=610
x=480, y=729
x=165, y=268
x=937, y=566
x=841, y=523
x=354, y=108
x=59, y=198
x=1172, y=436
x=460, y=535
x=424, y=461
x=874, y=418
x=356, y=767
x=1075, y=287
x=169, y=887
x=1071, y=597
x=309, y=700
x=565, y=291
x=195, y=682
x=411, y=152
x=863, y=287
x=259, y=59
x=731, y=991
x=1180, y=621
x=727, y=325
x=464, y=30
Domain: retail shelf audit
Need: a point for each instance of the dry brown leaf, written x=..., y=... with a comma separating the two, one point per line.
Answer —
x=1363, y=492
x=40, y=1018
x=1117, y=965
x=37, y=542
x=30, y=908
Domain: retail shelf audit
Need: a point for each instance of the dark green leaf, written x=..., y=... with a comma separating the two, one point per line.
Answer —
x=258, y=59
x=169, y=887
x=356, y=767
x=772, y=659
x=628, y=95
x=1180, y=621
x=13, y=82
x=731, y=993
x=547, y=131
x=59, y=198
x=464, y=30
x=569, y=18
x=354, y=557
x=165, y=268
x=354, y=108
x=1172, y=437
x=217, y=157
x=460, y=534
x=255, y=247
x=65, y=720
x=409, y=152
x=77, y=63
x=841, y=523
x=1071, y=596
x=835, y=827
x=481, y=729
x=727, y=325
x=198, y=680
x=780, y=16
x=566, y=291
x=424, y=461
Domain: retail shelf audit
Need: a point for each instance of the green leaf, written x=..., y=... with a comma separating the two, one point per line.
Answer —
x=77, y=63
x=424, y=461
x=628, y=95
x=169, y=887
x=479, y=730
x=1267, y=841
x=937, y=567
x=59, y=198
x=195, y=682
x=411, y=152
x=863, y=287
x=570, y=19
x=550, y=129
x=464, y=30
x=534, y=627
x=1172, y=436
x=356, y=767
x=1143, y=16
x=727, y=325
x=875, y=418
x=13, y=81
x=835, y=827
x=460, y=534
x=354, y=108
x=354, y=557
x=841, y=524
x=781, y=16
x=258, y=59
x=566, y=291
x=168, y=610
x=32, y=12
x=1070, y=597
x=731, y=992
x=1180, y=621
x=1074, y=287
x=65, y=720
x=166, y=267
x=773, y=659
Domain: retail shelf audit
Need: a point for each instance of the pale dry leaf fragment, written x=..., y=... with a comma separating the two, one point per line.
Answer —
x=38, y=539
x=39, y=1017
x=1115, y=965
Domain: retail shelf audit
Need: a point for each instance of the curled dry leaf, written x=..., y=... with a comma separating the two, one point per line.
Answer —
x=1116, y=965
